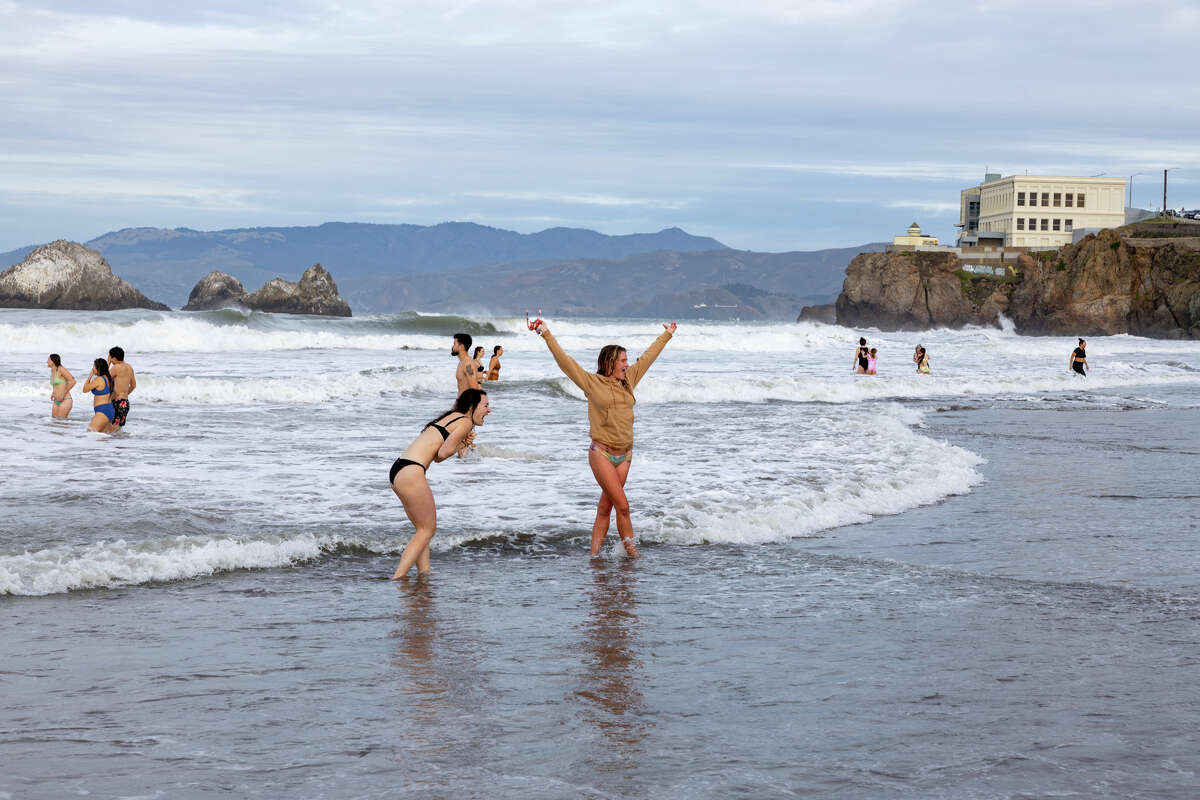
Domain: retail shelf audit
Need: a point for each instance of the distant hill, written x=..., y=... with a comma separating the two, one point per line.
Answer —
x=714, y=284
x=166, y=263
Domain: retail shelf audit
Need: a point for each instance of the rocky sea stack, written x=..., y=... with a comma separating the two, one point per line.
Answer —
x=67, y=275
x=316, y=293
x=1142, y=279
x=215, y=290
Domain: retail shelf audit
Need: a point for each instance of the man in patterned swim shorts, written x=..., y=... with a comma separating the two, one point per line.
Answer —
x=124, y=382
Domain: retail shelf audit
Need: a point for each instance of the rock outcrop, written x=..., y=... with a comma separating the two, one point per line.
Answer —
x=1142, y=279
x=67, y=275
x=826, y=313
x=1116, y=281
x=316, y=293
x=913, y=290
x=216, y=290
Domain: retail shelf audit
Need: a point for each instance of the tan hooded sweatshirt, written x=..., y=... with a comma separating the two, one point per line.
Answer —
x=610, y=401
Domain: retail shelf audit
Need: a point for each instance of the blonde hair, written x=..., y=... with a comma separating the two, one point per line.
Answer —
x=606, y=362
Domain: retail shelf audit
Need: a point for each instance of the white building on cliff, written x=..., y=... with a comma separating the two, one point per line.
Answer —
x=1038, y=210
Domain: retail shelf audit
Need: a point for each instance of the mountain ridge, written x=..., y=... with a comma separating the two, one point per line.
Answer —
x=167, y=262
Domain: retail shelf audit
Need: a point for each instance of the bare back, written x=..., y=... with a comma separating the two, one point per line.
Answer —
x=124, y=381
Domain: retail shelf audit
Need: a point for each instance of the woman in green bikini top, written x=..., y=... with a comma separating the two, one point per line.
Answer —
x=61, y=383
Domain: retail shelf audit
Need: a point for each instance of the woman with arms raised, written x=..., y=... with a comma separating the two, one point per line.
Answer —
x=610, y=399
x=447, y=434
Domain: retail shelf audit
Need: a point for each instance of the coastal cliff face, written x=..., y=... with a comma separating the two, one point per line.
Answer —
x=1126, y=280
x=316, y=293
x=1142, y=279
x=917, y=290
x=67, y=275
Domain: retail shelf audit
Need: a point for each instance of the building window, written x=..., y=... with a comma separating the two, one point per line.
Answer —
x=1080, y=198
x=1069, y=198
x=1020, y=223
x=1056, y=222
x=1045, y=223
x=1033, y=223
x=1068, y=226
x=1045, y=199
x=1020, y=198
x=1057, y=199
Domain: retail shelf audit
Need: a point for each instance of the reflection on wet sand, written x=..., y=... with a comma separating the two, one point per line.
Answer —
x=416, y=626
x=614, y=701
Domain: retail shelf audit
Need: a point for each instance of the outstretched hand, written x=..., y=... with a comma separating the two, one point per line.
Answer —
x=670, y=326
x=540, y=328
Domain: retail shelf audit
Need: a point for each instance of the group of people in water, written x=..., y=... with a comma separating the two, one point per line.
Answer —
x=609, y=392
x=865, y=359
x=110, y=382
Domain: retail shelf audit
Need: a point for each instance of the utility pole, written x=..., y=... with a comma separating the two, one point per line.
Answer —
x=1164, y=191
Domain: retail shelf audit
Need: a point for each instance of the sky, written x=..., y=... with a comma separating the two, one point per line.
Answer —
x=769, y=125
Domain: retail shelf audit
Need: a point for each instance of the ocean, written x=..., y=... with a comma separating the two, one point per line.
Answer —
x=980, y=583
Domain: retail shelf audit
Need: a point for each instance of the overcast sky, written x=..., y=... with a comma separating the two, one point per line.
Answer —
x=769, y=125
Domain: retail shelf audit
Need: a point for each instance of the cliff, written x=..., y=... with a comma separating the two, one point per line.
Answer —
x=1142, y=279
x=316, y=293
x=67, y=275
x=917, y=290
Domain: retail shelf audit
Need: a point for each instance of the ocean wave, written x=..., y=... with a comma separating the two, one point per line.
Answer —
x=105, y=564
x=230, y=330
x=716, y=388
x=903, y=471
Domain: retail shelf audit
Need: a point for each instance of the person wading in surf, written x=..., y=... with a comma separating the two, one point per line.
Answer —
x=447, y=434
x=1078, y=361
x=466, y=375
x=609, y=392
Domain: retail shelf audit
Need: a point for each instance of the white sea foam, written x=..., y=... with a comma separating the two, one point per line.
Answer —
x=899, y=470
x=104, y=563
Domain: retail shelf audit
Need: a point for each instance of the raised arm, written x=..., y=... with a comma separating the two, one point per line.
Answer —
x=570, y=367
x=639, y=367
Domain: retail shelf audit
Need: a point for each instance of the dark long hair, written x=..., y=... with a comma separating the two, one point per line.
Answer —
x=607, y=360
x=102, y=369
x=496, y=350
x=465, y=404
x=56, y=359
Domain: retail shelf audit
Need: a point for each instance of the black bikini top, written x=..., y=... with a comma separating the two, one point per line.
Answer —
x=445, y=433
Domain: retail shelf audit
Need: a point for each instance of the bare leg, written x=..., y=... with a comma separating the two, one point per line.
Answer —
x=61, y=411
x=612, y=484
x=99, y=423
x=414, y=492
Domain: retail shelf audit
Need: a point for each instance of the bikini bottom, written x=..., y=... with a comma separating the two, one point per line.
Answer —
x=401, y=463
x=615, y=460
x=107, y=410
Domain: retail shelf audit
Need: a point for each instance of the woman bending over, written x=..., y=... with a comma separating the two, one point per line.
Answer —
x=610, y=399
x=441, y=438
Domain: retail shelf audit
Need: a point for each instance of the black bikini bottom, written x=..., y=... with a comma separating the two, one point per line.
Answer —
x=401, y=463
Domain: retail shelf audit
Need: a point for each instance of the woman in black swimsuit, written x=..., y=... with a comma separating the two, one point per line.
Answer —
x=860, y=356
x=450, y=433
x=1078, y=360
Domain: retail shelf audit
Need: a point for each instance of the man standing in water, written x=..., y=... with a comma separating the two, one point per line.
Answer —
x=467, y=376
x=124, y=382
x=1078, y=360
